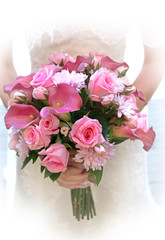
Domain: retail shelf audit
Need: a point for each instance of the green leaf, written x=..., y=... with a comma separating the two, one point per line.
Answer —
x=84, y=96
x=118, y=140
x=123, y=73
x=102, y=121
x=91, y=56
x=98, y=67
x=42, y=169
x=34, y=156
x=54, y=176
x=58, y=139
x=110, y=134
x=67, y=145
x=26, y=161
x=47, y=173
x=95, y=176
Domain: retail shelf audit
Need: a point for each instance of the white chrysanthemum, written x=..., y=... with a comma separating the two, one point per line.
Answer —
x=95, y=159
x=76, y=80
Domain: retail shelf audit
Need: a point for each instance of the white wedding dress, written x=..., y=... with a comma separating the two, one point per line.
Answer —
x=124, y=205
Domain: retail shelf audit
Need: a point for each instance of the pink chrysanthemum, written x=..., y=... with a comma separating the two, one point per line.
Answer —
x=95, y=159
x=18, y=144
x=22, y=148
x=127, y=105
x=76, y=80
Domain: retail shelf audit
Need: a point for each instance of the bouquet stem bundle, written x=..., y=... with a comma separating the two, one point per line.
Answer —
x=83, y=203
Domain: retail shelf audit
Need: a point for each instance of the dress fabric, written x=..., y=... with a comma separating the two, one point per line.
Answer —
x=124, y=205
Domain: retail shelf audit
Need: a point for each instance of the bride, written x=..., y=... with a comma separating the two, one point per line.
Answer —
x=125, y=208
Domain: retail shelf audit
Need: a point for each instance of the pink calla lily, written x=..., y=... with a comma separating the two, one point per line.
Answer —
x=139, y=95
x=75, y=65
x=65, y=99
x=21, y=83
x=21, y=116
x=147, y=137
x=108, y=63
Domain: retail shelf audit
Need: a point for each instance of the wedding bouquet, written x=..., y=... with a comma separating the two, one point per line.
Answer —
x=82, y=104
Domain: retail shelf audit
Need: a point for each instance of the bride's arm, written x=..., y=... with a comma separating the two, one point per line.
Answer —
x=151, y=73
x=7, y=70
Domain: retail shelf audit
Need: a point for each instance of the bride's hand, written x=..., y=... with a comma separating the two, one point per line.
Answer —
x=74, y=176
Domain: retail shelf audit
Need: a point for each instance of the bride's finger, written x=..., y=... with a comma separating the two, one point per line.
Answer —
x=71, y=170
x=77, y=165
x=72, y=152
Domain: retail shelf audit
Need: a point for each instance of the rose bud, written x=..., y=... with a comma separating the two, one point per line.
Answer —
x=40, y=93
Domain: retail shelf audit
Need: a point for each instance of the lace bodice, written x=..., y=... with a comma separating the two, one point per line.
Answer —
x=75, y=39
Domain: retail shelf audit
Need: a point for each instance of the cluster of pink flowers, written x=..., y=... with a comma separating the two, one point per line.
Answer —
x=80, y=103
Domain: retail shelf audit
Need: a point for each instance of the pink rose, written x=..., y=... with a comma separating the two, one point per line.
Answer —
x=56, y=159
x=87, y=132
x=35, y=139
x=43, y=77
x=40, y=93
x=49, y=125
x=103, y=82
x=59, y=58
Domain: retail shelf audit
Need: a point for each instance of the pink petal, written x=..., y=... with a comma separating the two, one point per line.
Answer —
x=112, y=65
x=67, y=96
x=124, y=132
x=45, y=111
x=140, y=95
x=75, y=65
x=146, y=137
x=20, y=83
x=20, y=116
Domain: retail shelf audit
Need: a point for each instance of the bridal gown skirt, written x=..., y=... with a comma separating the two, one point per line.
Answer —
x=125, y=208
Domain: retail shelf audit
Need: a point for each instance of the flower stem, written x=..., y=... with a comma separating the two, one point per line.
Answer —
x=34, y=104
x=82, y=203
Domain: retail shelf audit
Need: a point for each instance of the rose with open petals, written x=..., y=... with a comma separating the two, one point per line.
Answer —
x=87, y=132
x=34, y=138
x=43, y=77
x=49, y=125
x=56, y=159
x=104, y=82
